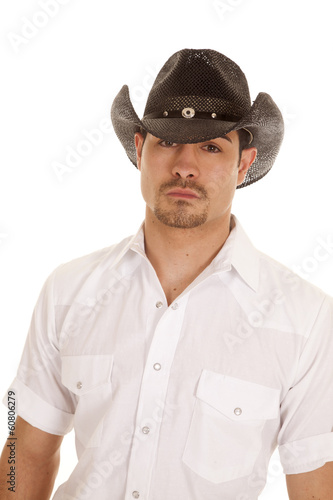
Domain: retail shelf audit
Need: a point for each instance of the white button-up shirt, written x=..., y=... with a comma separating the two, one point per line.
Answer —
x=186, y=402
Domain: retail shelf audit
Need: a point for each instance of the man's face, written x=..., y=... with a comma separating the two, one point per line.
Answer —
x=189, y=185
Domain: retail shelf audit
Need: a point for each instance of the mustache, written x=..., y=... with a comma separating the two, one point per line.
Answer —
x=182, y=184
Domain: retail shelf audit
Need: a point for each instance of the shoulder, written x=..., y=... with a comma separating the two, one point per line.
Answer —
x=300, y=300
x=101, y=258
x=83, y=272
x=275, y=274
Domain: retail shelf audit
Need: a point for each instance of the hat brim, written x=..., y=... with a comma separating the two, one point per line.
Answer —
x=263, y=120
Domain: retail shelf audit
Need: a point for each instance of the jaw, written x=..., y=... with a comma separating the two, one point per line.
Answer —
x=181, y=213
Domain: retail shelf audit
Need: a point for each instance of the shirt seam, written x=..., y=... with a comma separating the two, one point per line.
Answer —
x=307, y=340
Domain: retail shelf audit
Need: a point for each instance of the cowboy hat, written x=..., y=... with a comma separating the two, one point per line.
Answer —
x=199, y=95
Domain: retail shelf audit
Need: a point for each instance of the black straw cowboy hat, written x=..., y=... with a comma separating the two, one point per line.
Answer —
x=200, y=95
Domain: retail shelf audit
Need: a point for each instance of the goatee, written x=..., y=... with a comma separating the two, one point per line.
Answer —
x=180, y=215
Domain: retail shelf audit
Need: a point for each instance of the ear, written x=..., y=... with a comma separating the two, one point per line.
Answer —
x=138, y=145
x=247, y=158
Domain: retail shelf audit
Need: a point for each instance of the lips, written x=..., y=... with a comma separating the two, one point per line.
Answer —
x=182, y=193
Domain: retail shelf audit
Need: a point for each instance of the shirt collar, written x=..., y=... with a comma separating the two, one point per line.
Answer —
x=135, y=243
x=243, y=256
x=237, y=252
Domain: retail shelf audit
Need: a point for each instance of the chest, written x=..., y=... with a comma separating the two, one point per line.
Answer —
x=174, y=283
x=204, y=329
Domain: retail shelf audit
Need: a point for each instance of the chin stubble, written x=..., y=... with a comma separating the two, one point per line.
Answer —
x=179, y=216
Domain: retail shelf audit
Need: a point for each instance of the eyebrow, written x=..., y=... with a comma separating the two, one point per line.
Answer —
x=227, y=138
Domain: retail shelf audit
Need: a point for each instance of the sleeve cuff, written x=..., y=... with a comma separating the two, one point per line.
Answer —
x=38, y=413
x=306, y=454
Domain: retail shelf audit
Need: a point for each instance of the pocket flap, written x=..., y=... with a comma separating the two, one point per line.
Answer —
x=238, y=399
x=81, y=374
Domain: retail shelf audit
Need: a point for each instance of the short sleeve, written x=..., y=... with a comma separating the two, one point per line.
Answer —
x=305, y=439
x=41, y=398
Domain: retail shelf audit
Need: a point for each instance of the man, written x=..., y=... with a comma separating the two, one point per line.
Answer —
x=182, y=356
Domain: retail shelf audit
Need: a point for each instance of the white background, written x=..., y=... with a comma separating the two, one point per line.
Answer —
x=60, y=73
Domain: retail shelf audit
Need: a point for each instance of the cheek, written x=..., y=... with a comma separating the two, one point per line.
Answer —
x=148, y=185
x=222, y=183
x=144, y=184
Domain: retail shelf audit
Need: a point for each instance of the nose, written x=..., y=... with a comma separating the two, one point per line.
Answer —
x=185, y=164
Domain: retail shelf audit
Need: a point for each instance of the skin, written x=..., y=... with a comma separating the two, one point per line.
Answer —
x=37, y=461
x=179, y=254
x=314, y=485
x=184, y=234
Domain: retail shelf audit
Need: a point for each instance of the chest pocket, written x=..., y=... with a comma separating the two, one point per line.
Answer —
x=224, y=439
x=89, y=378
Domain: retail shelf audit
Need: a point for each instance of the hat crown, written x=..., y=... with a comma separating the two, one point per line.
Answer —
x=202, y=79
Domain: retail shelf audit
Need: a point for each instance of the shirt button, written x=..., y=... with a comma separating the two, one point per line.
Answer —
x=157, y=367
x=237, y=411
x=135, y=494
x=174, y=306
x=159, y=304
x=145, y=430
x=79, y=385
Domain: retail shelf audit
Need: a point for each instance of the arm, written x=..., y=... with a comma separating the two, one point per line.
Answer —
x=314, y=485
x=37, y=462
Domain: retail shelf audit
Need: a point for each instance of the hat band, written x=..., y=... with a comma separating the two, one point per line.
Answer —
x=189, y=113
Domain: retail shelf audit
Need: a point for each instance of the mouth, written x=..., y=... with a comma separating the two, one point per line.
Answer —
x=187, y=194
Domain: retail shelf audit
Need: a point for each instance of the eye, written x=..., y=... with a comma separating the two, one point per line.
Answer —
x=167, y=144
x=211, y=148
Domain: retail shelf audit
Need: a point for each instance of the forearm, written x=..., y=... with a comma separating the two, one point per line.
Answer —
x=32, y=479
x=313, y=485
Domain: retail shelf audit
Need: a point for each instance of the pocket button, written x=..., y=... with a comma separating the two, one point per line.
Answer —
x=238, y=411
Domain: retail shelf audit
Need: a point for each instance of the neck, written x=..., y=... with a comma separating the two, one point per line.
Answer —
x=180, y=255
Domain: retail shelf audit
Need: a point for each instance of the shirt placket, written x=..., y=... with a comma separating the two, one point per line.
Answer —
x=152, y=406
